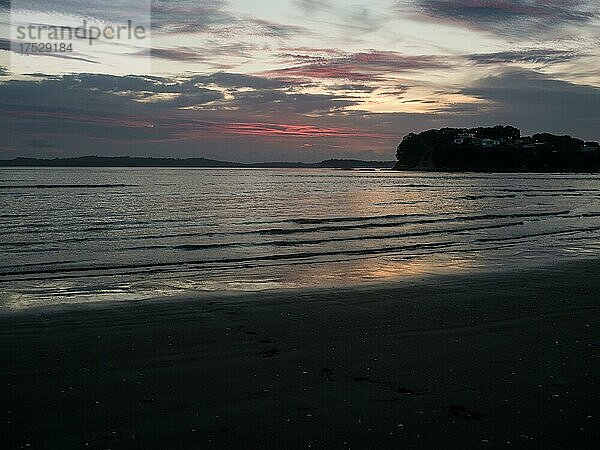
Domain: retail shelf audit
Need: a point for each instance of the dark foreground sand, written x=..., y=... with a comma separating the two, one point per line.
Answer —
x=449, y=362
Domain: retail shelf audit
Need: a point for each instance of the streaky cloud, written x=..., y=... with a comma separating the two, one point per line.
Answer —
x=514, y=17
x=274, y=130
x=532, y=56
x=373, y=65
x=214, y=18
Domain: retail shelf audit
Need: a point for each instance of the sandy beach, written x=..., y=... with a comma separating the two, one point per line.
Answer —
x=464, y=361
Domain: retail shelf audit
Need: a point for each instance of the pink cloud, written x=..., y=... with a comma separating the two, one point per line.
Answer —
x=271, y=130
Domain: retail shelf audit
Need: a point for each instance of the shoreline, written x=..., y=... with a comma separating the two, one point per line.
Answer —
x=435, y=274
x=469, y=359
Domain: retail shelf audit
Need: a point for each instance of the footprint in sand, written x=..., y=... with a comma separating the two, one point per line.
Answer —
x=464, y=413
x=405, y=391
x=364, y=380
x=270, y=353
x=326, y=374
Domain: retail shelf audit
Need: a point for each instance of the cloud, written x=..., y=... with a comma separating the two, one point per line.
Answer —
x=50, y=116
x=178, y=54
x=532, y=56
x=213, y=17
x=236, y=80
x=90, y=94
x=272, y=130
x=311, y=6
x=354, y=87
x=374, y=65
x=88, y=9
x=158, y=109
x=535, y=101
x=247, y=117
x=362, y=19
x=509, y=17
x=260, y=27
x=215, y=55
x=186, y=16
x=271, y=101
x=531, y=90
x=350, y=21
x=266, y=95
x=397, y=91
x=96, y=93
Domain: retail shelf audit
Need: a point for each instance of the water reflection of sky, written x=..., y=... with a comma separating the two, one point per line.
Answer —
x=156, y=233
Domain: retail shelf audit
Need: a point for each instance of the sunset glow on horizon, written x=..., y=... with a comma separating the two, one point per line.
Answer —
x=300, y=79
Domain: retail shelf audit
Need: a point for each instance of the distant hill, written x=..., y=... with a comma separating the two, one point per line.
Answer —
x=127, y=161
x=496, y=149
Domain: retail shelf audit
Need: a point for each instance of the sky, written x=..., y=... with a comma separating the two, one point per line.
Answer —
x=295, y=80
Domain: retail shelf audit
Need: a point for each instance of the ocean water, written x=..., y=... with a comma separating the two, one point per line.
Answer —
x=81, y=235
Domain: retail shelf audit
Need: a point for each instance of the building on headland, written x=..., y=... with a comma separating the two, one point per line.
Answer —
x=498, y=148
x=504, y=138
x=485, y=137
x=490, y=143
x=590, y=147
x=466, y=137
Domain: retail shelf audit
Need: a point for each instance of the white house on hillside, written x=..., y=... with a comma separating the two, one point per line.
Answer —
x=490, y=143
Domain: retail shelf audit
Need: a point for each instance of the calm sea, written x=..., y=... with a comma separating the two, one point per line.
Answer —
x=87, y=235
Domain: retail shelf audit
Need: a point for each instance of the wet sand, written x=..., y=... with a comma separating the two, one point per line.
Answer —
x=458, y=361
